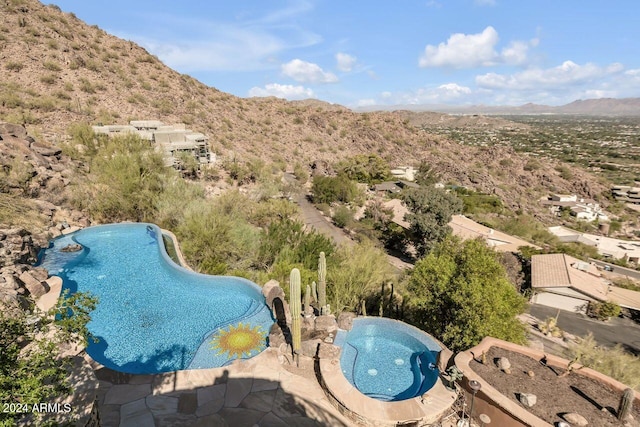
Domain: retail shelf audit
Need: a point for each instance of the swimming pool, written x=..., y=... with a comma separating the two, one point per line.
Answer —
x=388, y=360
x=153, y=315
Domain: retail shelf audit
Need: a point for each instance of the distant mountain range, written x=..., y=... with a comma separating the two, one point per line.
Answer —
x=588, y=107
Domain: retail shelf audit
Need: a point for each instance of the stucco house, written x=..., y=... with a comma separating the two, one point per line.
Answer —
x=567, y=283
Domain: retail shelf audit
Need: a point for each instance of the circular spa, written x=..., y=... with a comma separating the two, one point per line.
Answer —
x=154, y=315
x=388, y=360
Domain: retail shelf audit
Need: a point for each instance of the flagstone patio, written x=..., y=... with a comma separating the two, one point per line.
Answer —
x=258, y=391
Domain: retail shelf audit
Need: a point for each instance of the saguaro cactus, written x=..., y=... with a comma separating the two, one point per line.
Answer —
x=308, y=311
x=294, y=304
x=626, y=403
x=322, y=283
x=314, y=291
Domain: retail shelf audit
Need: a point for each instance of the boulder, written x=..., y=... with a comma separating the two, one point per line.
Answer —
x=504, y=365
x=528, y=399
x=575, y=419
x=329, y=351
x=272, y=290
x=310, y=347
x=345, y=320
x=39, y=273
x=35, y=287
x=326, y=323
x=71, y=248
x=276, y=336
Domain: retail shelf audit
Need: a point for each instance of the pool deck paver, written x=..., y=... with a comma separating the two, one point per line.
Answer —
x=258, y=391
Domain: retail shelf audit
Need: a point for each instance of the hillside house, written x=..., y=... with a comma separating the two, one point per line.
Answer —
x=583, y=209
x=626, y=193
x=563, y=282
x=608, y=247
x=170, y=140
x=407, y=173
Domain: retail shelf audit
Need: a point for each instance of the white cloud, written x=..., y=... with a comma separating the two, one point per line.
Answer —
x=463, y=50
x=307, y=72
x=568, y=73
x=515, y=53
x=282, y=91
x=475, y=50
x=345, y=62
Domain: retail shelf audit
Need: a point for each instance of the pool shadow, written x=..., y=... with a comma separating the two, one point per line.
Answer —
x=227, y=397
x=164, y=360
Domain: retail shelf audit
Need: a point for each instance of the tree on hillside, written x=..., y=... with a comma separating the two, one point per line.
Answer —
x=430, y=212
x=329, y=189
x=367, y=168
x=426, y=176
x=461, y=294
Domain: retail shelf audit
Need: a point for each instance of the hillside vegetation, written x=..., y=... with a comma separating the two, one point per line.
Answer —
x=56, y=70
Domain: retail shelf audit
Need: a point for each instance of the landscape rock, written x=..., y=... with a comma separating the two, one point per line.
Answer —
x=310, y=347
x=276, y=336
x=35, y=287
x=345, y=320
x=504, y=365
x=71, y=248
x=575, y=419
x=326, y=323
x=329, y=351
x=528, y=399
x=39, y=273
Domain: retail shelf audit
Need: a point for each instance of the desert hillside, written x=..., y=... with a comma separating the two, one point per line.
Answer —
x=56, y=70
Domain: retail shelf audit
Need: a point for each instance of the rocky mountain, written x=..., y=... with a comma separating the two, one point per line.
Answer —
x=55, y=71
x=629, y=107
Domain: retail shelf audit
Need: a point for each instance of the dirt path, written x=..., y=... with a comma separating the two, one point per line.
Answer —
x=313, y=217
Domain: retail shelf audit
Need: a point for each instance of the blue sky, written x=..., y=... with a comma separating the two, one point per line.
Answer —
x=359, y=53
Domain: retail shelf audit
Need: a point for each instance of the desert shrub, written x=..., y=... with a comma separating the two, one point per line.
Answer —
x=51, y=66
x=342, y=216
x=17, y=211
x=603, y=310
x=216, y=242
x=301, y=173
x=475, y=203
x=353, y=273
x=614, y=362
x=328, y=189
x=126, y=177
x=532, y=165
x=14, y=66
x=367, y=168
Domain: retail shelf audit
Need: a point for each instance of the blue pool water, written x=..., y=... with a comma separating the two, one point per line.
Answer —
x=388, y=360
x=153, y=315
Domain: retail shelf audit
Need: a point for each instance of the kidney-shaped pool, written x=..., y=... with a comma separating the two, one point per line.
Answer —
x=388, y=360
x=154, y=315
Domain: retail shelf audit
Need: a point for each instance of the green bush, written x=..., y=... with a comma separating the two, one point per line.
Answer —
x=366, y=168
x=327, y=189
x=461, y=294
x=603, y=310
x=614, y=362
x=342, y=217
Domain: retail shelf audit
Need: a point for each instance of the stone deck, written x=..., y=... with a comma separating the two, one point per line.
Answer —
x=258, y=391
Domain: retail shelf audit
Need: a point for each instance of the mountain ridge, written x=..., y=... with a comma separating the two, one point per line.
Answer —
x=57, y=71
x=587, y=107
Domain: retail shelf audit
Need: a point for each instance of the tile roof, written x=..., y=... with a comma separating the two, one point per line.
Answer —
x=558, y=270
